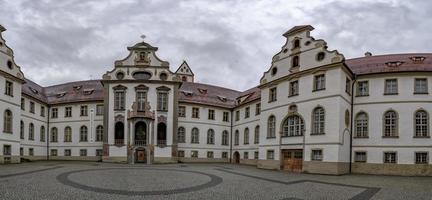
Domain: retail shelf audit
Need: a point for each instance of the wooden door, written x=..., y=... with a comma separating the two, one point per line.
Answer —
x=141, y=157
x=292, y=160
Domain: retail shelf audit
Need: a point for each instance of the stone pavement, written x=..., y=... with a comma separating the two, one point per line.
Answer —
x=90, y=180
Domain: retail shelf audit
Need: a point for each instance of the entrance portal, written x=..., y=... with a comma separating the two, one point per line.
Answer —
x=236, y=157
x=141, y=156
x=292, y=160
x=140, y=134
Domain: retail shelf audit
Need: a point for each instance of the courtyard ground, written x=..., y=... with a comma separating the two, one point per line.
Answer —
x=91, y=180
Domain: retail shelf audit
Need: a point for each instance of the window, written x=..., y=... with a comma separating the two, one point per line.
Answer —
x=195, y=112
x=361, y=125
x=68, y=112
x=67, y=152
x=84, y=111
x=54, y=136
x=181, y=135
x=295, y=61
x=245, y=155
x=162, y=103
x=390, y=157
x=83, y=134
x=225, y=116
x=32, y=107
x=247, y=112
x=7, y=150
x=317, y=155
x=320, y=56
x=293, y=126
x=31, y=131
x=293, y=88
x=99, y=110
x=319, y=82
x=225, y=138
x=348, y=86
x=421, y=158
x=273, y=94
x=42, y=134
x=210, y=136
x=224, y=154
x=270, y=154
x=9, y=88
x=22, y=104
x=211, y=114
x=54, y=112
x=236, y=137
x=21, y=130
x=421, y=124
x=210, y=154
x=318, y=121
x=180, y=154
x=246, y=136
x=296, y=43
x=420, y=86
x=256, y=154
x=237, y=115
x=141, y=98
x=83, y=152
x=7, y=121
x=257, y=108
x=256, y=135
x=99, y=152
x=119, y=100
x=271, y=127
x=390, y=124
x=362, y=88
x=360, y=156
x=42, y=111
x=195, y=136
x=99, y=133
x=182, y=111
x=53, y=152
x=274, y=71
x=31, y=152
x=194, y=154
x=391, y=87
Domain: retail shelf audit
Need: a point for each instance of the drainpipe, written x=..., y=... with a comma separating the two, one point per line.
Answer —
x=48, y=131
x=351, y=122
x=231, y=129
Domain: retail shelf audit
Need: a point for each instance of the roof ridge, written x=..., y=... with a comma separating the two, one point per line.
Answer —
x=382, y=55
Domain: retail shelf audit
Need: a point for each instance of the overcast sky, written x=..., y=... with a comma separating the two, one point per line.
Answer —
x=226, y=43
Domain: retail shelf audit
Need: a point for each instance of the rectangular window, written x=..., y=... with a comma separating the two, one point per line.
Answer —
x=22, y=104
x=162, y=103
x=99, y=152
x=119, y=100
x=237, y=115
x=84, y=111
x=42, y=111
x=421, y=158
x=224, y=154
x=194, y=154
x=21, y=151
x=362, y=88
x=7, y=150
x=9, y=88
x=31, y=152
x=99, y=110
x=317, y=155
x=256, y=154
x=141, y=98
x=270, y=154
x=210, y=154
x=258, y=109
x=195, y=112
x=348, y=86
x=180, y=154
x=319, y=82
x=68, y=112
x=420, y=86
x=293, y=88
x=211, y=114
x=225, y=116
x=391, y=87
x=53, y=152
x=182, y=111
x=32, y=107
x=272, y=94
x=67, y=152
x=83, y=152
x=390, y=157
x=54, y=112
x=247, y=112
x=245, y=155
x=360, y=156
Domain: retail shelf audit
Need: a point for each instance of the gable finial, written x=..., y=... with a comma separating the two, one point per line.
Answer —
x=143, y=37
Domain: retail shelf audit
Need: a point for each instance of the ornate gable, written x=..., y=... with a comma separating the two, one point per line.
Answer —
x=184, y=73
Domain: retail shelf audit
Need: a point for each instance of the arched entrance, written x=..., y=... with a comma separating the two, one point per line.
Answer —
x=236, y=157
x=119, y=133
x=140, y=134
x=161, y=134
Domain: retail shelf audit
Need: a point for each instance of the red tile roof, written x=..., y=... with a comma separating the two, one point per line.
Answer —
x=207, y=94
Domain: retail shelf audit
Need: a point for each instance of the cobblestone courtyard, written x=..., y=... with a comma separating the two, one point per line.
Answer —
x=88, y=180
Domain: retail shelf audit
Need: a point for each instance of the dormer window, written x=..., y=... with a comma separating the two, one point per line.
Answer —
x=60, y=95
x=88, y=91
x=77, y=87
x=187, y=93
x=33, y=90
x=394, y=63
x=223, y=99
x=296, y=44
x=202, y=91
x=295, y=61
x=418, y=59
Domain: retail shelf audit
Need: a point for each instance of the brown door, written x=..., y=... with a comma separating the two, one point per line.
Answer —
x=292, y=160
x=141, y=157
x=236, y=157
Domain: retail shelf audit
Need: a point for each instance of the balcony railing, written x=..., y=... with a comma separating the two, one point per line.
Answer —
x=140, y=142
x=161, y=142
x=119, y=142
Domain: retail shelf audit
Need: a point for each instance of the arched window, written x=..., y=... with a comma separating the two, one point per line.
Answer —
x=271, y=127
x=225, y=138
x=31, y=131
x=236, y=137
x=181, y=135
x=210, y=136
x=421, y=124
x=361, y=125
x=246, y=136
x=22, y=129
x=295, y=61
x=390, y=124
x=256, y=137
x=293, y=126
x=68, y=134
x=184, y=79
x=54, y=136
x=83, y=134
x=119, y=133
x=7, y=121
x=99, y=133
x=195, y=136
x=318, y=121
x=42, y=133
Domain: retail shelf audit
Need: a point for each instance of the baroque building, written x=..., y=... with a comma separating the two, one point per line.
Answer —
x=313, y=111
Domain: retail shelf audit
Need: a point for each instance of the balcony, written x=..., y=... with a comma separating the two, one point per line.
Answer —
x=119, y=142
x=140, y=142
x=141, y=113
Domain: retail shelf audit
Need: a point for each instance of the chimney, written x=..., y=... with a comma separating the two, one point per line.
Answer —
x=367, y=54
